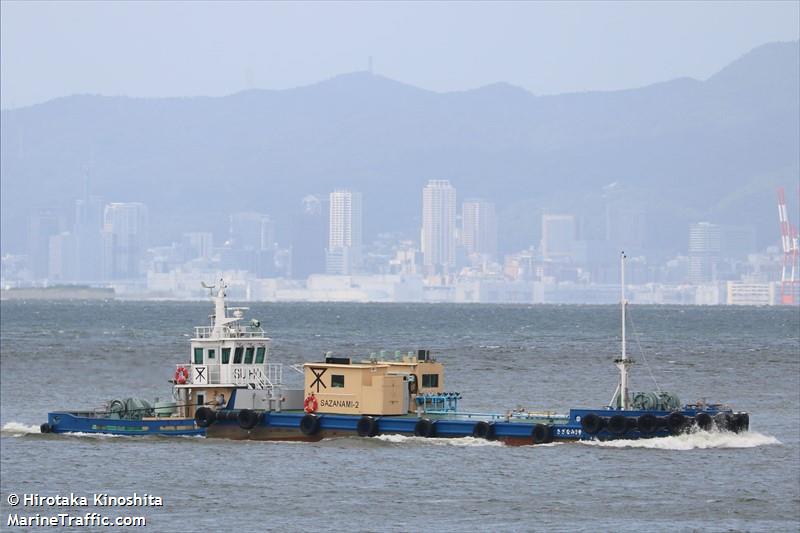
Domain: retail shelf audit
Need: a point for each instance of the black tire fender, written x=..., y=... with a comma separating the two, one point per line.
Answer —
x=647, y=423
x=309, y=425
x=204, y=417
x=676, y=422
x=618, y=424
x=367, y=426
x=248, y=419
x=424, y=428
x=741, y=422
x=541, y=434
x=723, y=421
x=591, y=423
x=703, y=421
x=483, y=430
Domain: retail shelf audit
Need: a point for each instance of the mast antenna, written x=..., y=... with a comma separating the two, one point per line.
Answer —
x=621, y=399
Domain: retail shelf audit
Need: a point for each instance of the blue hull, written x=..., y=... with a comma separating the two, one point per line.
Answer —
x=290, y=426
x=64, y=422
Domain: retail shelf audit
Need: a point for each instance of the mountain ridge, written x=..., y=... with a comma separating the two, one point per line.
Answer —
x=681, y=146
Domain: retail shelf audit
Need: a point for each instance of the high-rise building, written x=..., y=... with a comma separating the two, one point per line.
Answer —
x=344, y=232
x=251, y=231
x=88, y=231
x=198, y=245
x=559, y=234
x=43, y=223
x=705, y=242
x=479, y=228
x=309, y=237
x=438, y=227
x=63, y=260
x=125, y=236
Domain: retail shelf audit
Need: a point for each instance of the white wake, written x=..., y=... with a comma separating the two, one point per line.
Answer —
x=17, y=429
x=458, y=441
x=700, y=440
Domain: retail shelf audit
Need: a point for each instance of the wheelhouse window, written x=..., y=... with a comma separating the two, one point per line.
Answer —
x=430, y=381
x=226, y=356
x=337, y=381
x=248, y=355
x=212, y=354
x=198, y=356
x=237, y=355
x=260, y=353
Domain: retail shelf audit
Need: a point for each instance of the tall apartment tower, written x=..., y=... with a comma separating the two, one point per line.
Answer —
x=705, y=244
x=438, y=227
x=344, y=232
x=43, y=223
x=88, y=231
x=309, y=238
x=479, y=228
x=125, y=231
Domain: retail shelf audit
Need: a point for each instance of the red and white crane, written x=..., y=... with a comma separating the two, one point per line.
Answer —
x=790, y=277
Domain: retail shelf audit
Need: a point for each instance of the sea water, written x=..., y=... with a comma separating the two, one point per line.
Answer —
x=77, y=355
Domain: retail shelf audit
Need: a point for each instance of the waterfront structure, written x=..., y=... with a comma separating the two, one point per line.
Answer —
x=439, y=227
x=344, y=232
x=751, y=293
x=125, y=238
x=705, y=241
x=479, y=228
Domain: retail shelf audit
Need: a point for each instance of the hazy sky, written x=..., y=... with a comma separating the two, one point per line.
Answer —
x=206, y=48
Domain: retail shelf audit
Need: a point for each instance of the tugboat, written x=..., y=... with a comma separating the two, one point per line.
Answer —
x=229, y=389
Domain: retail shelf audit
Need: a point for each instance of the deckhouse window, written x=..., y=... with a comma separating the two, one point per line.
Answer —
x=248, y=355
x=430, y=380
x=198, y=356
x=212, y=354
x=337, y=381
x=226, y=356
x=260, y=352
x=237, y=355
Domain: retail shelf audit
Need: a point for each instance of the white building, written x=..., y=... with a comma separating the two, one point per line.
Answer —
x=344, y=234
x=125, y=235
x=439, y=227
x=747, y=293
x=704, y=249
x=479, y=228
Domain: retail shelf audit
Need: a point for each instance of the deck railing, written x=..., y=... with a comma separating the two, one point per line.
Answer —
x=258, y=376
x=225, y=332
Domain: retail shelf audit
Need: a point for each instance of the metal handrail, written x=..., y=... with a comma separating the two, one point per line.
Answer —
x=271, y=374
x=244, y=332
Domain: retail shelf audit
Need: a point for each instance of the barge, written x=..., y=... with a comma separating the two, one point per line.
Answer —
x=230, y=389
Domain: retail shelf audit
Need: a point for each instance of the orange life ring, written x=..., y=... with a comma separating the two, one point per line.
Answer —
x=181, y=375
x=310, y=404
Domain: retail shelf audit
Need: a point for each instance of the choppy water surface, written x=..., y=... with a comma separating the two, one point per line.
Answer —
x=78, y=355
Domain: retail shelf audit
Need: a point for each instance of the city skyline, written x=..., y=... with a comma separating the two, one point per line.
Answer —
x=714, y=254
